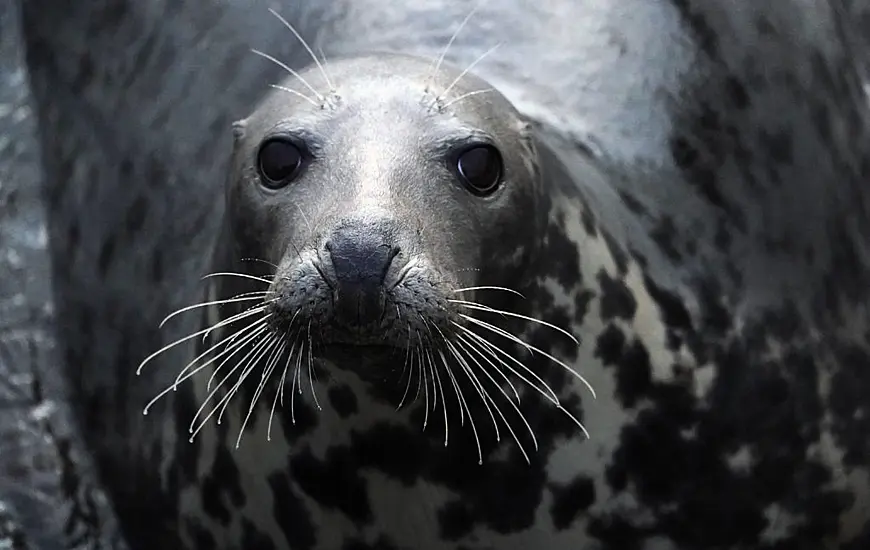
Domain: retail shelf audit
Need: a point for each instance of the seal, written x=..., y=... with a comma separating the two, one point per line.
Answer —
x=417, y=284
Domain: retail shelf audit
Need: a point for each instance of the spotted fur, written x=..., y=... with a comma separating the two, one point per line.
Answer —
x=707, y=240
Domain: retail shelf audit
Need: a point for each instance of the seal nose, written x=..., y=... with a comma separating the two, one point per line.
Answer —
x=361, y=255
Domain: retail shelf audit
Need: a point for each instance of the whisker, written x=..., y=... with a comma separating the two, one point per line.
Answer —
x=420, y=372
x=297, y=93
x=508, y=425
x=492, y=348
x=287, y=68
x=465, y=72
x=437, y=376
x=234, y=348
x=193, y=429
x=469, y=288
x=478, y=387
x=182, y=376
x=183, y=339
x=466, y=96
x=279, y=392
x=408, y=363
x=469, y=347
x=455, y=34
x=310, y=367
x=262, y=348
x=481, y=307
x=425, y=393
x=552, y=398
x=240, y=275
x=213, y=303
x=463, y=403
x=275, y=346
x=229, y=342
x=295, y=381
x=270, y=264
x=306, y=46
x=513, y=338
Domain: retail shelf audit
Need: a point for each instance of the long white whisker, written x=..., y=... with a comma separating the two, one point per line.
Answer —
x=234, y=348
x=267, y=370
x=304, y=45
x=310, y=369
x=171, y=345
x=470, y=347
x=297, y=93
x=498, y=370
x=493, y=348
x=287, y=68
x=466, y=96
x=193, y=429
x=182, y=377
x=295, y=382
x=211, y=303
x=470, y=288
x=279, y=392
x=437, y=376
x=229, y=343
x=552, y=398
x=513, y=338
x=240, y=275
x=506, y=423
x=453, y=38
x=475, y=383
x=481, y=307
x=466, y=71
x=463, y=403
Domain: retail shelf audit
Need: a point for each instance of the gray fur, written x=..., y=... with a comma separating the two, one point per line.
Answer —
x=707, y=239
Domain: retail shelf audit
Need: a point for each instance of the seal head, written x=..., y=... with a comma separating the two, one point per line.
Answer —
x=384, y=202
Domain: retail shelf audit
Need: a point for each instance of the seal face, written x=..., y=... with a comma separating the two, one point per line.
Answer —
x=382, y=206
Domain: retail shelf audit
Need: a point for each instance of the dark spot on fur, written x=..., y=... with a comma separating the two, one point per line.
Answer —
x=382, y=543
x=157, y=267
x=705, y=36
x=737, y=93
x=617, y=300
x=334, y=482
x=299, y=533
x=343, y=400
x=570, y=500
x=665, y=236
x=632, y=203
x=455, y=521
x=609, y=345
x=136, y=214
x=581, y=305
x=253, y=538
x=620, y=258
x=671, y=307
x=567, y=269
x=107, y=253
x=202, y=537
x=221, y=486
x=589, y=223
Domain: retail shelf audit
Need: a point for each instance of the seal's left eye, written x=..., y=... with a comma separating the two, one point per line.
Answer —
x=278, y=162
x=480, y=169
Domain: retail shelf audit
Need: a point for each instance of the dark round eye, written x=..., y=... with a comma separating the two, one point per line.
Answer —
x=278, y=162
x=480, y=168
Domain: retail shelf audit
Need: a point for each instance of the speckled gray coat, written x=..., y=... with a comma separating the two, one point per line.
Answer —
x=733, y=150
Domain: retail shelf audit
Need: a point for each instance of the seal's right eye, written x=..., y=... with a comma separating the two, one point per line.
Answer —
x=279, y=161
